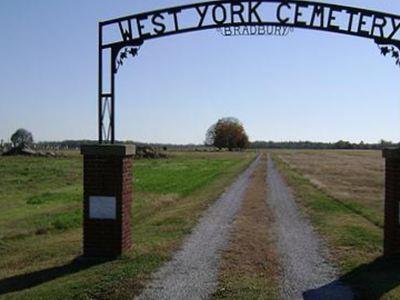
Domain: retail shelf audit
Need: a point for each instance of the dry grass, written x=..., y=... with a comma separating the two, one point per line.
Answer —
x=249, y=268
x=348, y=227
x=354, y=177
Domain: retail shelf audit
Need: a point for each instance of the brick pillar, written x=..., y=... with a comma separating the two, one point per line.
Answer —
x=107, y=200
x=392, y=199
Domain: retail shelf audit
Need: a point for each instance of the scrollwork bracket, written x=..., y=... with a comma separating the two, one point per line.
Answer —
x=121, y=53
x=389, y=48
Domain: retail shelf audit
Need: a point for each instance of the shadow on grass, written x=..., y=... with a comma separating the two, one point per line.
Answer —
x=368, y=281
x=29, y=280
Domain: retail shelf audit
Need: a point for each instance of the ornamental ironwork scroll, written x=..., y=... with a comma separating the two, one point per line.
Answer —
x=122, y=38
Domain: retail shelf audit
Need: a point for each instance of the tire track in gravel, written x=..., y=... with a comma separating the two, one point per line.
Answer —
x=193, y=271
x=307, y=272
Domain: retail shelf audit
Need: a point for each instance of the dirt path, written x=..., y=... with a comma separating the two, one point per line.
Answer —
x=192, y=272
x=249, y=267
x=306, y=271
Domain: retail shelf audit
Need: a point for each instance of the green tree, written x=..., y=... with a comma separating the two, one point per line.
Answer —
x=22, y=138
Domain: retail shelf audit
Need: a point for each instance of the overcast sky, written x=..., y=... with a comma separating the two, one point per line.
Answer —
x=306, y=86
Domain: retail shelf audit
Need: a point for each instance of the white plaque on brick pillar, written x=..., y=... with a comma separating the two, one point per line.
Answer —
x=103, y=208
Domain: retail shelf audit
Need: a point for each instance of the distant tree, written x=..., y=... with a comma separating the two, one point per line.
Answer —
x=385, y=144
x=210, y=135
x=227, y=133
x=343, y=145
x=22, y=138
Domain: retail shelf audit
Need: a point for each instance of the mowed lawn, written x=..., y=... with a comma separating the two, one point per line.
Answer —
x=41, y=222
x=342, y=193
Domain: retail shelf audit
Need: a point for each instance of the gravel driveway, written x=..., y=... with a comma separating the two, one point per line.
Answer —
x=307, y=273
x=192, y=272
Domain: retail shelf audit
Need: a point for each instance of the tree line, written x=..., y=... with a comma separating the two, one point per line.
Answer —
x=227, y=133
x=340, y=145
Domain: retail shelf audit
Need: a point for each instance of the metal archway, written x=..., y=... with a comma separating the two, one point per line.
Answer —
x=122, y=37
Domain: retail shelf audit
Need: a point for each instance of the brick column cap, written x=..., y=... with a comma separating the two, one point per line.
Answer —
x=391, y=153
x=108, y=150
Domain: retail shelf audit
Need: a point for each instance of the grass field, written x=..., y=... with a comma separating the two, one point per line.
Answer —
x=354, y=177
x=41, y=219
x=342, y=192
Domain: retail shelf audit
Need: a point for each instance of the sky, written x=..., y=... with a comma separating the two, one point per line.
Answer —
x=308, y=85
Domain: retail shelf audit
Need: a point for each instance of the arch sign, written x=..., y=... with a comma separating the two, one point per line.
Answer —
x=122, y=37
